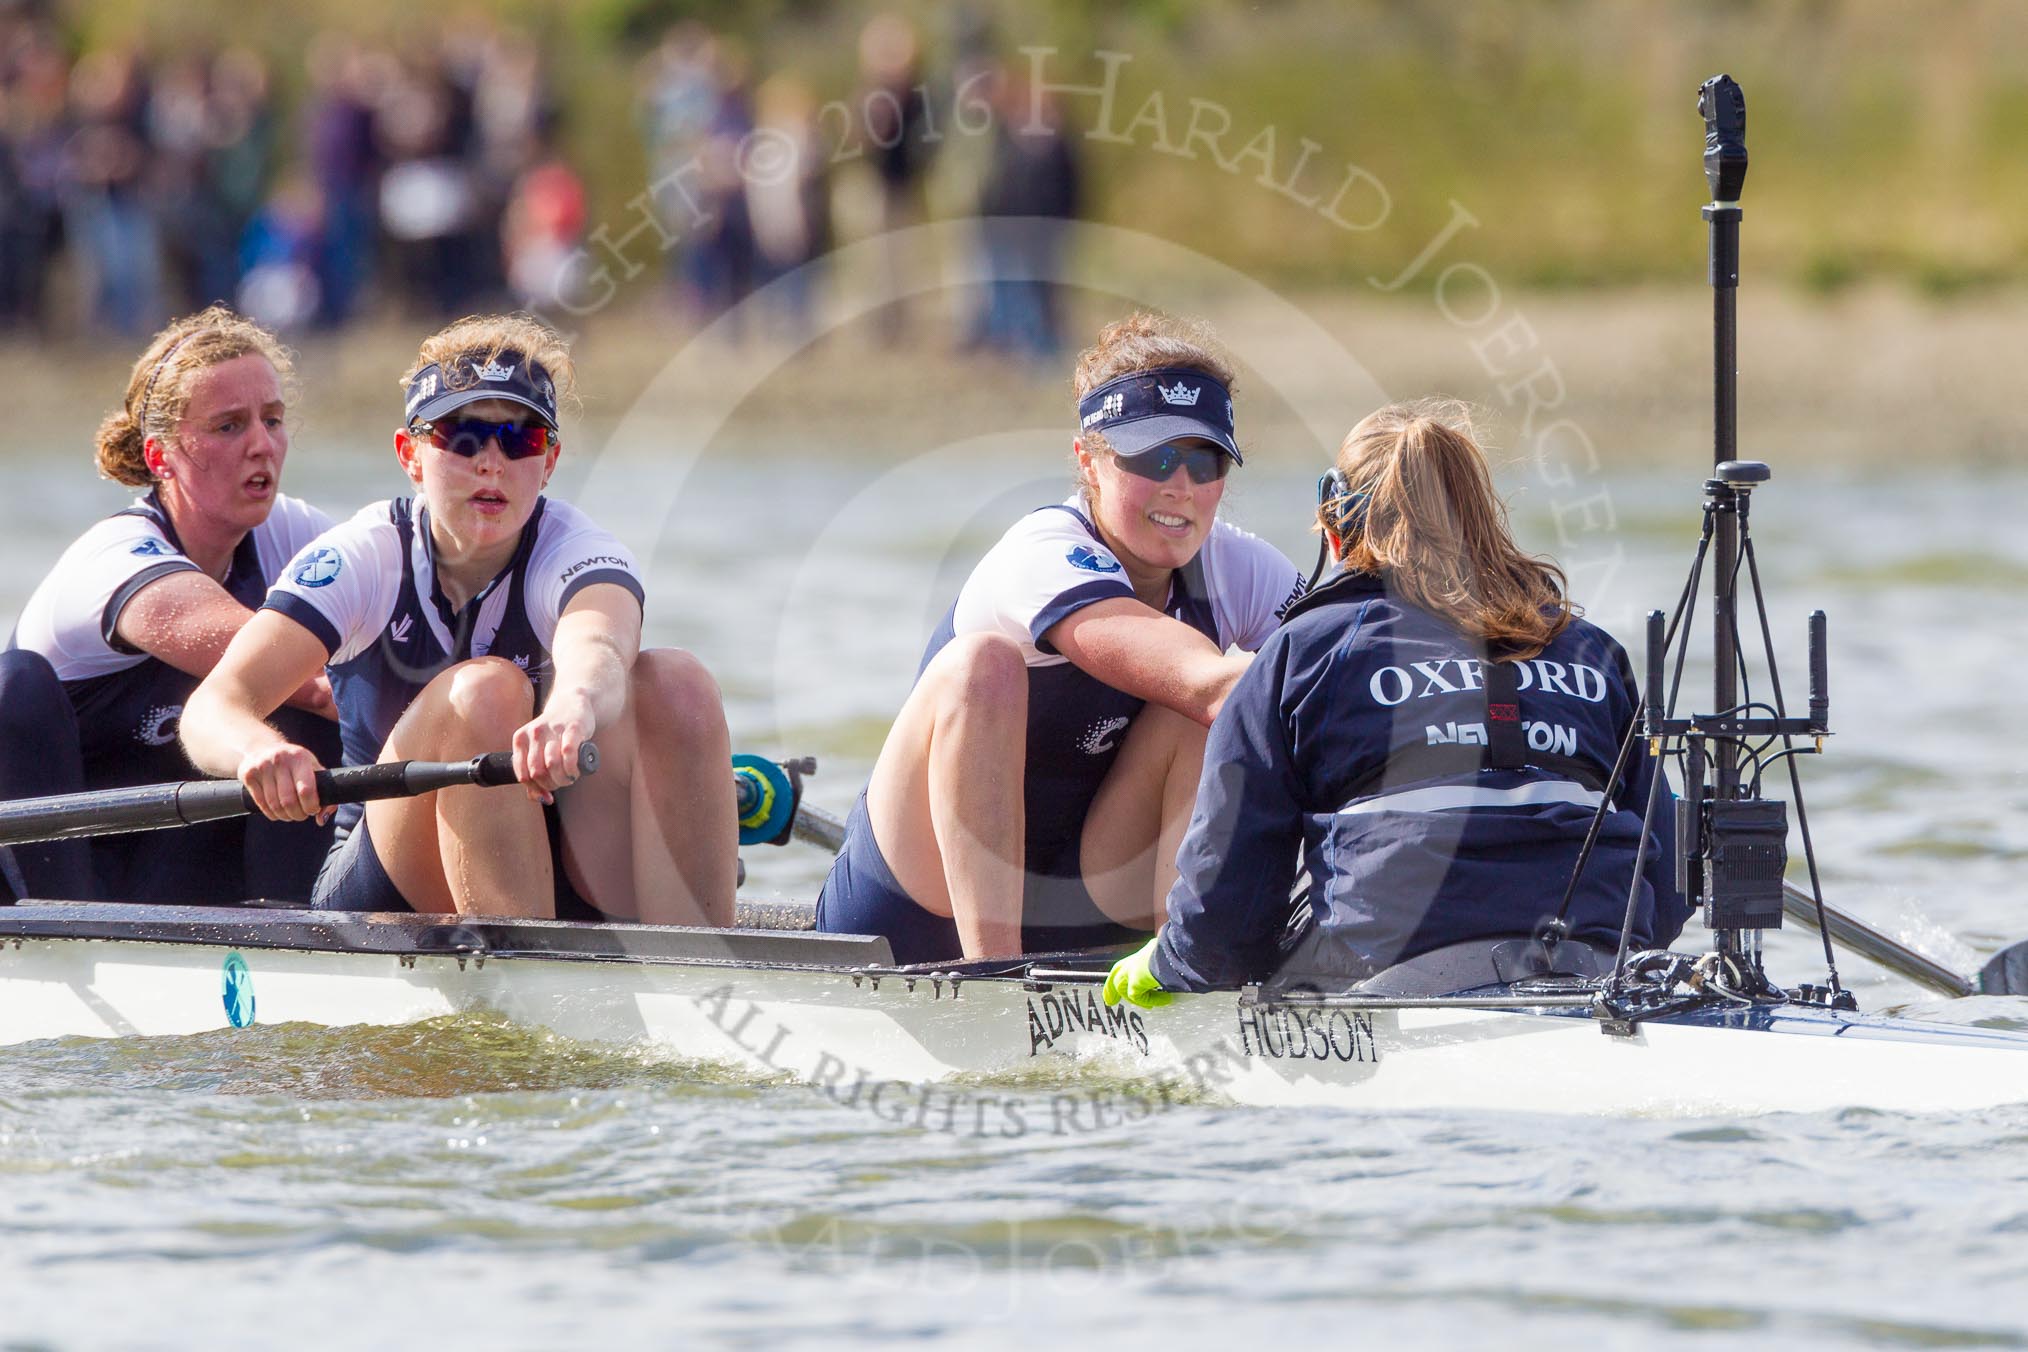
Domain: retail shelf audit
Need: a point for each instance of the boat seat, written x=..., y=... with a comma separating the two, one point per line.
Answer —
x=1487, y=962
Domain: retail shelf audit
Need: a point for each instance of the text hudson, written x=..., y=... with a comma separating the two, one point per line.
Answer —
x=1278, y=1033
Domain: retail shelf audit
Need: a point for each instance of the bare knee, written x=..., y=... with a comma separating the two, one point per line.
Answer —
x=675, y=697
x=981, y=672
x=490, y=695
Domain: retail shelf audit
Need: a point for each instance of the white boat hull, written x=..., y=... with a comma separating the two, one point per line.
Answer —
x=877, y=1042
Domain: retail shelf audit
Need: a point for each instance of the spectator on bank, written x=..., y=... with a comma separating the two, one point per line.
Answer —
x=280, y=253
x=34, y=134
x=678, y=102
x=541, y=230
x=895, y=101
x=788, y=196
x=344, y=170
x=243, y=132
x=428, y=192
x=193, y=221
x=105, y=208
x=717, y=251
x=1027, y=202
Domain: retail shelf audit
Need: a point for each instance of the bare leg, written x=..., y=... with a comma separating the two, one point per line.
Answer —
x=470, y=850
x=654, y=835
x=945, y=800
x=1138, y=820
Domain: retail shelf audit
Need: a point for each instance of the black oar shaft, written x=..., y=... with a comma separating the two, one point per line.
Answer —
x=150, y=807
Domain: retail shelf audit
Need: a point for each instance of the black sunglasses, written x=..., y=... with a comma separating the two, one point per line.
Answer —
x=468, y=436
x=1205, y=463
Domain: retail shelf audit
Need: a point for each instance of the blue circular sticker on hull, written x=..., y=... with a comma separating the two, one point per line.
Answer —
x=239, y=992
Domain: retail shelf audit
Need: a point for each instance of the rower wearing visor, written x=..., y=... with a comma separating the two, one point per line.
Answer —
x=1431, y=733
x=476, y=616
x=142, y=605
x=1033, y=788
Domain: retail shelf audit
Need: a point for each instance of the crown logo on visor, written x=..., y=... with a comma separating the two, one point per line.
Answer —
x=1185, y=395
x=493, y=370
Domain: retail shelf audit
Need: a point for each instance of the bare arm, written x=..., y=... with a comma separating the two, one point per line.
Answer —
x=224, y=725
x=1136, y=648
x=597, y=638
x=187, y=620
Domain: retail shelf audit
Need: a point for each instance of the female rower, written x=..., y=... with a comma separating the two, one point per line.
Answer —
x=137, y=610
x=1430, y=733
x=471, y=617
x=1033, y=788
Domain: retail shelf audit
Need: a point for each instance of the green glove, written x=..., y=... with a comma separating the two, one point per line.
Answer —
x=1133, y=979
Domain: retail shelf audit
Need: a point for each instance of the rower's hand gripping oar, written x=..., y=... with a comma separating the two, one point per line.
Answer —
x=111, y=812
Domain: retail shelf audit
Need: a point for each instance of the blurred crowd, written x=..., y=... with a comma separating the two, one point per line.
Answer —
x=755, y=162
x=434, y=179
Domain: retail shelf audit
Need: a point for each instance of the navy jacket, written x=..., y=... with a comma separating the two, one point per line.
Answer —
x=1341, y=749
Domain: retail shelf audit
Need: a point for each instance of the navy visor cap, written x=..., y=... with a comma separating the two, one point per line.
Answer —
x=509, y=376
x=1139, y=412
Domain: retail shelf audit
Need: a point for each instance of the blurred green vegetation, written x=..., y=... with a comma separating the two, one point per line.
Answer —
x=1887, y=140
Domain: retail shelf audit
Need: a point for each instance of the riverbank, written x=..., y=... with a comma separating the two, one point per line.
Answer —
x=1868, y=376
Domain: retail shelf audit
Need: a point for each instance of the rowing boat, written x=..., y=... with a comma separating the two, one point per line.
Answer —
x=1661, y=1034
x=833, y=1011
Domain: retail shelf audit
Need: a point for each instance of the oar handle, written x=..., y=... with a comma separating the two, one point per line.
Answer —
x=109, y=812
x=405, y=779
x=208, y=800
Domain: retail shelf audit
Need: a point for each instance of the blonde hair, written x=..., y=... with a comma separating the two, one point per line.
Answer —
x=158, y=388
x=479, y=339
x=1436, y=530
x=1145, y=341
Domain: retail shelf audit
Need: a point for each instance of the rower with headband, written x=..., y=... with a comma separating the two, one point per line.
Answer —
x=1032, y=789
x=141, y=605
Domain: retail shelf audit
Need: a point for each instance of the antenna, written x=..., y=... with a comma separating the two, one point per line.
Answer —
x=1731, y=843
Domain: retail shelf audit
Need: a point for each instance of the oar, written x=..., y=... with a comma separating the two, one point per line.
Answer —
x=111, y=812
x=2006, y=974
x=815, y=826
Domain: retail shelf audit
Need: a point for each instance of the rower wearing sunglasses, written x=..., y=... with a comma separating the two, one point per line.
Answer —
x=1034, y=786
x=475, y=616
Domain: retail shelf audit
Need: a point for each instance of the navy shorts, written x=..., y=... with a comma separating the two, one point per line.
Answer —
x=861, y=896
x=354, y=879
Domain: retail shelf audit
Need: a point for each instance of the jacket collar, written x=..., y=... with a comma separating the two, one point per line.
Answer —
x=1339, y=587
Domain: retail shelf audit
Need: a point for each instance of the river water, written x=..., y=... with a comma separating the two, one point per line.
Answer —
x=469, y=1182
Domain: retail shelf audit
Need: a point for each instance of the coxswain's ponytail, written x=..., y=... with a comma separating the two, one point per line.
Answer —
x=1432, y=525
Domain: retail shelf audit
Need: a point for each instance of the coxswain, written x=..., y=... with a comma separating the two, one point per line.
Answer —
x=474, y=616
x=142, y=605
x=1033, y=788
x=1430, y=733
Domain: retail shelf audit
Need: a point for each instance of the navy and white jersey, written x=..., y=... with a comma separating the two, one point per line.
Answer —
x=128, y=702
x=368, y=590
x=1048, y=566
x=1353, y=745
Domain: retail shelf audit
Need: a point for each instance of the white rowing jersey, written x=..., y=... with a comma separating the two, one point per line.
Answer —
x=73, y=617
x=128, y=704
x=368, y=590
x=1051, y=564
